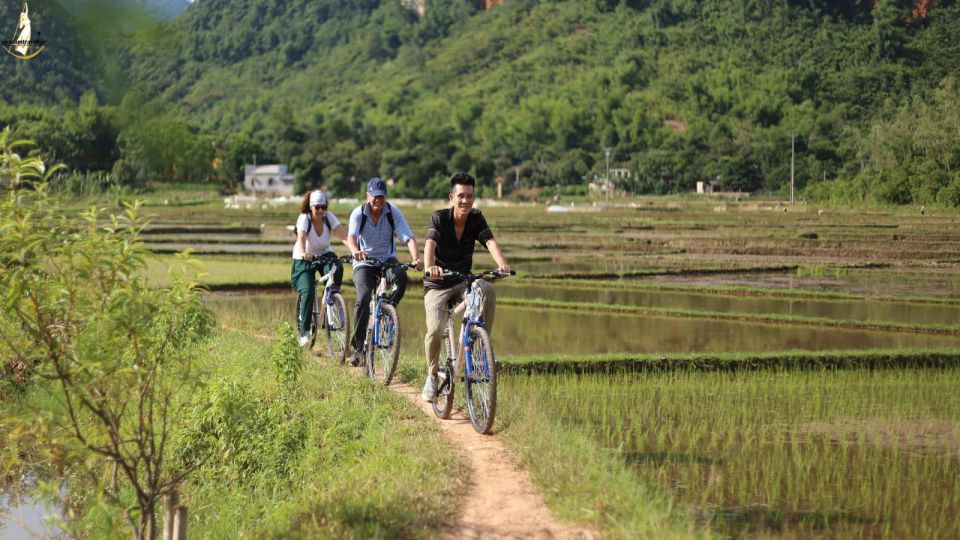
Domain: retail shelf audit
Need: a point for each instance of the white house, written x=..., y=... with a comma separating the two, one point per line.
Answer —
x=269, y=179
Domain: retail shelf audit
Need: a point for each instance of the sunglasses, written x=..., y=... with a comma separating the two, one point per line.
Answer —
x=320, y=207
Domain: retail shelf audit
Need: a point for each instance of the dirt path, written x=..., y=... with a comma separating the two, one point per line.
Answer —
x=505, y=504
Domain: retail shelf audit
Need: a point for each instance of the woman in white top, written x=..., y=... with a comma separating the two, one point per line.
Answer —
x=315, y=228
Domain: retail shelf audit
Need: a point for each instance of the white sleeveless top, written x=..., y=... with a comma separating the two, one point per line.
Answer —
x=316, y=244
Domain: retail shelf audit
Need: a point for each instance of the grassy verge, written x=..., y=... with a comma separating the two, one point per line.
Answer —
x=332, y=456
x=365, y=460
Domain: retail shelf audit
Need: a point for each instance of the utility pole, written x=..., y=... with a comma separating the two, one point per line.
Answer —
x=606, y=175
x=793, y=140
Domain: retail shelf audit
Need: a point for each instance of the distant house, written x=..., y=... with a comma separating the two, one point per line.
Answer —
x=270, y=179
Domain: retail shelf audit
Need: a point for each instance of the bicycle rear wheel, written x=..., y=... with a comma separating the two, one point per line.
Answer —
x=387, y=347
x=337, y=322
x=481, y=383
x=444, y=402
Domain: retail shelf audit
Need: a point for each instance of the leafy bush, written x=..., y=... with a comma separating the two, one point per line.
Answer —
x=76, y=307
x=241, y=433
x=287, y=357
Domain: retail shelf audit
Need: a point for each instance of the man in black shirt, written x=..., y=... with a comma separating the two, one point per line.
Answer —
x=451, y=237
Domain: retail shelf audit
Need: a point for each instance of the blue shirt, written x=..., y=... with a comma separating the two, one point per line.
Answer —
x=377, y=238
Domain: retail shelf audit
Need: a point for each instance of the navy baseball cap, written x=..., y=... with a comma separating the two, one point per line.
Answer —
x=377, y=187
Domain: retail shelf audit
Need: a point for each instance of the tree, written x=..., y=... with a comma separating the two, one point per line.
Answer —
x=115, y=352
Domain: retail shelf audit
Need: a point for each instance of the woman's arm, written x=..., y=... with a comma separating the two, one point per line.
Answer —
x=342, y=236
x=302, y=244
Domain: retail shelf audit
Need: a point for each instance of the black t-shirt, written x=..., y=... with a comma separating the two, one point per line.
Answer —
x=451, y=254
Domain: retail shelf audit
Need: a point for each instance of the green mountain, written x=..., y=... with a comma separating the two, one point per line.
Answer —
x=677, y=90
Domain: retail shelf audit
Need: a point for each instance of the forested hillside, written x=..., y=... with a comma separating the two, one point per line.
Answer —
x=678, y=90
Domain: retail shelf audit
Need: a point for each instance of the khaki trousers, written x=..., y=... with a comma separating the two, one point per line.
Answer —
x=436, y=303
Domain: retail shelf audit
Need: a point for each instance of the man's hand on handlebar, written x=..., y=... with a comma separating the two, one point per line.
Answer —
x=360, y=255
x=418, y=264
x=504, y=268
x=434, y=272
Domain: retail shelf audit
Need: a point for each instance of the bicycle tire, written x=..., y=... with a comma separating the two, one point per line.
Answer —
x=481, y=384
x=314, y=322
x=443, y=405
x=369, y=360
x=339, y=331
x=387, y=350
x=312, y=328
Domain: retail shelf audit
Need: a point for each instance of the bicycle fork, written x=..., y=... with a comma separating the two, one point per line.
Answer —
x=467, y=351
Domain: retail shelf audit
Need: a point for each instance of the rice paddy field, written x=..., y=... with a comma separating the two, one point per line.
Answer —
x=763, y=371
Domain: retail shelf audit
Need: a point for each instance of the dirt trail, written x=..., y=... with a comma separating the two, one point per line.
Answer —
x=505, y=504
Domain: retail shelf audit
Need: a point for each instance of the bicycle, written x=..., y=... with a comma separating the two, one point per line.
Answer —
x=329, y=314
x=382, y=340
x=476, y=351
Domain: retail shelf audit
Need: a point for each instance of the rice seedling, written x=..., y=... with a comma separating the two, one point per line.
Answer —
x=834, y=453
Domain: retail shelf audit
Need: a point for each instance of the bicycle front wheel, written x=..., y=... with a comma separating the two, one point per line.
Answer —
x=312, y=326
x=443, y=405
x=481, y=381
x=337, y=324
x=386, y=348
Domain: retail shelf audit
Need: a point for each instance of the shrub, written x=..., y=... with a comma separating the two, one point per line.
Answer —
x=287, y=357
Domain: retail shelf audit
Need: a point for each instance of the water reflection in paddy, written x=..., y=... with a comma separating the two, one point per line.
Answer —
x=858, y=310
x=868, y=281
x=531, y=331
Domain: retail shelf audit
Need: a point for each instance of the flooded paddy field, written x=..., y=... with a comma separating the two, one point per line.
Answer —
x=526, y=331
x=786, y=454
x=698, y=300
x=932, y=282
x=760, y=452
x=663, y=236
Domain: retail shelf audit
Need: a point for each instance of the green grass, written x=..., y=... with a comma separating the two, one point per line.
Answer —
x=849, y=453
x=333, y=457
x=367, y=466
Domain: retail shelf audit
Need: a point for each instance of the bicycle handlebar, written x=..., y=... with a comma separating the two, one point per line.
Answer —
x=330, y=257
x=382, y=264
x=495, y=274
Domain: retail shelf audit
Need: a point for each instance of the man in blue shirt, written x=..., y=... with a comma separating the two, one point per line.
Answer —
x=372, y=228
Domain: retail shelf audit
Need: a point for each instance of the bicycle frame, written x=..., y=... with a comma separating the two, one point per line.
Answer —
x=471, y=317
x=382, y=295
x=327, y=280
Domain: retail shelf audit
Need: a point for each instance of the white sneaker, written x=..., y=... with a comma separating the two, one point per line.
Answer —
x=429, y=393
x=304, y=340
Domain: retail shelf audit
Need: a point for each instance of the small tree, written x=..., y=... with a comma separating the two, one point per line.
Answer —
x=76, y=306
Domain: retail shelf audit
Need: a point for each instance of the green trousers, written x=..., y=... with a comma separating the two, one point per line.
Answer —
x=303, y=279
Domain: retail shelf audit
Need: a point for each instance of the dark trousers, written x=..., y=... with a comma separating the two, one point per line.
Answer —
x=303, y=280
x=365, y=280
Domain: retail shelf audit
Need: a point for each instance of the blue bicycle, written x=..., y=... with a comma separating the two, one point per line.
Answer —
x=381, y=346
x=475, y=351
